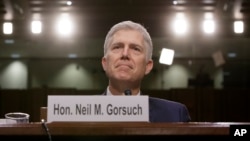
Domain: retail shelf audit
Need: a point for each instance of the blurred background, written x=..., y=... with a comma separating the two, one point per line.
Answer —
x=54, y=47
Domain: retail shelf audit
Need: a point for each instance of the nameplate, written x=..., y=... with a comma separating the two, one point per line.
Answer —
x=98, y=108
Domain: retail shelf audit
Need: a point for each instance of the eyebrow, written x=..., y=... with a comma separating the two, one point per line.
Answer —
x=133, y=44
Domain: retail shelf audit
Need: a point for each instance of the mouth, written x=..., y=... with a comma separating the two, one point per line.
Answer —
x=124, y=66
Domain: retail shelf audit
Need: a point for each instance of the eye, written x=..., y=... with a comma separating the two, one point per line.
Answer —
x=116, y=47
x=136, y=48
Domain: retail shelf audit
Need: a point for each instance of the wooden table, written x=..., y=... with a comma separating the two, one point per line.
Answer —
x=66, y=130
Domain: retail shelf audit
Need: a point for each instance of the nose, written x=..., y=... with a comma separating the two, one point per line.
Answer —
x=125, y=51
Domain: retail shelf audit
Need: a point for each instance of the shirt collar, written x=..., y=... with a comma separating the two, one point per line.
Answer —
x=110, y=94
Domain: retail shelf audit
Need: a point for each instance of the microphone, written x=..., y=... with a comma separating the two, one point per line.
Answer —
x=127, y=92
x=45, y=127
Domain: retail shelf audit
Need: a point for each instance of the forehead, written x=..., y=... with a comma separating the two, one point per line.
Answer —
x=128, y=35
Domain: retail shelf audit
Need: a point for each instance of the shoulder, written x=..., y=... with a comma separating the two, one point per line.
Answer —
x=163, y=110
x=165, y=102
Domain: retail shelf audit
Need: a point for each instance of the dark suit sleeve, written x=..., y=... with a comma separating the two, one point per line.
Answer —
x=162, y=110
x=184, y=113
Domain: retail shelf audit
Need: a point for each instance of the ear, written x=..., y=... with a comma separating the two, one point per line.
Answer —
x=149, y=66
x=104, y=63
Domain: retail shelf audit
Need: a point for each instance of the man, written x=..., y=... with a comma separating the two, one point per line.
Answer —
x=127, y=59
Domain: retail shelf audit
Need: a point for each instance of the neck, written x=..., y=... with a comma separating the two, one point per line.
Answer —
x=121, y=91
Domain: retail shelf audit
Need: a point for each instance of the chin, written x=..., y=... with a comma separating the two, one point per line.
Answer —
x=123, y=78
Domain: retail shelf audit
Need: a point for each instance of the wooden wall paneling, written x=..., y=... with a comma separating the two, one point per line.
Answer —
x=89, y=92
x=164, y=94
x=236, y=101
x=37, y=98
x=220, y=105
x=13, y=101
x=248, y=104
x=189, y=98
x=60, y=91
x=209, y=104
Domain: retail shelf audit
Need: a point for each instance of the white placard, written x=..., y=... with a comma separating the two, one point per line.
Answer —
x=97, y=108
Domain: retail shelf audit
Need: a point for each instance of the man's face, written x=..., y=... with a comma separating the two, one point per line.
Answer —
x=126, y=57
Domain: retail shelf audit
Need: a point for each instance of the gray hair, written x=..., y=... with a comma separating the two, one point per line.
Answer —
x=129, y=25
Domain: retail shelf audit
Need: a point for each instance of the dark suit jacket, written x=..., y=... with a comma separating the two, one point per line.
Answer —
x=162, y=110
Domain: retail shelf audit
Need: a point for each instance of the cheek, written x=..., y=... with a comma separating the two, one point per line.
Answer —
x=109, y=63
x=111, y=60
x=141, y=65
